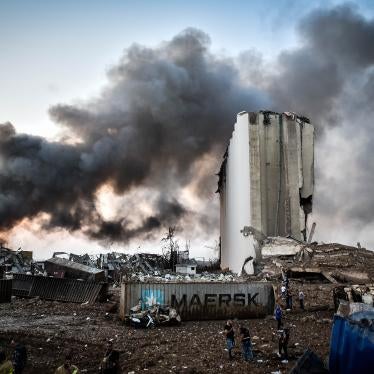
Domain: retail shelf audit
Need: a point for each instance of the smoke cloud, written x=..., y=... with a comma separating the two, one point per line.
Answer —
x=167, y=109
x=163, y=110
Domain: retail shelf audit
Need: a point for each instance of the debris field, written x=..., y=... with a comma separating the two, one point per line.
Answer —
x=49, y=329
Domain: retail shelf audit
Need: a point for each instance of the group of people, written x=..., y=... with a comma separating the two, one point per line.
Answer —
x=245, y=340
x=17, y=363
x=246, y=345
x=284, y=331
x=109, y=364
x=286, y=293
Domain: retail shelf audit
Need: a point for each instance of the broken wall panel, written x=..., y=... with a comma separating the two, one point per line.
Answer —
x=236, y=211
x=58, y=289
x=22, y=284
x=307, y=141
x=202, y=300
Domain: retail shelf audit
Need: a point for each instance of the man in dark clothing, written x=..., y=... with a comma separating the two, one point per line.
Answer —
x=278, y=316
x=246, y=344
x=289, y=299
x=284, y=337
x=19, y=357
x=230, y=337
x=110, y=364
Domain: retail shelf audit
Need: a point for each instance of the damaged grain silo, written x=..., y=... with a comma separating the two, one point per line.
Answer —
x=265, y=183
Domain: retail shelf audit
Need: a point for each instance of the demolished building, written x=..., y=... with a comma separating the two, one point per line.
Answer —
x=266, y=183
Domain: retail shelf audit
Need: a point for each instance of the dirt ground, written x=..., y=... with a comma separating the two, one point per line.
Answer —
x=50, y=329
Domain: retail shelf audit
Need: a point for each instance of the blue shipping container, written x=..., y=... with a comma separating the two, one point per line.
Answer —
x=352, y=344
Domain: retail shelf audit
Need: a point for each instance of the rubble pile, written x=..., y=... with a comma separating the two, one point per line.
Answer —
x=143, y=263
x=354, y=294
x=14, y=261
x=168, y=277
x=331, y=263
x=117, y=265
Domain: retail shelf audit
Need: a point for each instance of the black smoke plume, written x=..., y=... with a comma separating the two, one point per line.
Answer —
x=162, y=111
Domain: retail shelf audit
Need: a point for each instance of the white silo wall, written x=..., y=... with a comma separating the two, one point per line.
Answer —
x=236, y=204
x=268, y=168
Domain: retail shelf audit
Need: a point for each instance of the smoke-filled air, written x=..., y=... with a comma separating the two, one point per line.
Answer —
x=156, y=134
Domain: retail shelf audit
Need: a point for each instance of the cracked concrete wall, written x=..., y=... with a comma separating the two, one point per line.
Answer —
x=266, y=182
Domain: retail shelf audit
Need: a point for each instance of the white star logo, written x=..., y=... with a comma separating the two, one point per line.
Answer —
x=151, y=300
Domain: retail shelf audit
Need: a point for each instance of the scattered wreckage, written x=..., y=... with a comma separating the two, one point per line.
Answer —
x=14, y=261
x=152, y=316
x=354, y=294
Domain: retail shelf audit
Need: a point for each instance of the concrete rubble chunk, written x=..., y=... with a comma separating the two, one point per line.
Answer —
x=332, y=263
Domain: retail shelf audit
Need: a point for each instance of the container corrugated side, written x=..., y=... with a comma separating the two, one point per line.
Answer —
x=202, y=300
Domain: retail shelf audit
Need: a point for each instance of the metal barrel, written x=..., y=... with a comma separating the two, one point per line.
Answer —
x=202, y=300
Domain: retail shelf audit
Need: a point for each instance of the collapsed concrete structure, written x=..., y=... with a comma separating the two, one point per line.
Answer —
x=266, y=184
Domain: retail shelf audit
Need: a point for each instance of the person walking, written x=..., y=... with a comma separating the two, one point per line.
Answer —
x=246, y=343
x=289, y=299
x=284, y=337
x=19, y=357
x=283, y=292
x=230, y=337
x=110, y=362
x=6, y=366
x=301, y=299
x=67, y=367
x=278, y=316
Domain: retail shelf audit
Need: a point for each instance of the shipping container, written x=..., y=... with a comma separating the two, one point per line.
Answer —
x=73, y=270
x=202, y=300
x=50, y=288
x=5, y=290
